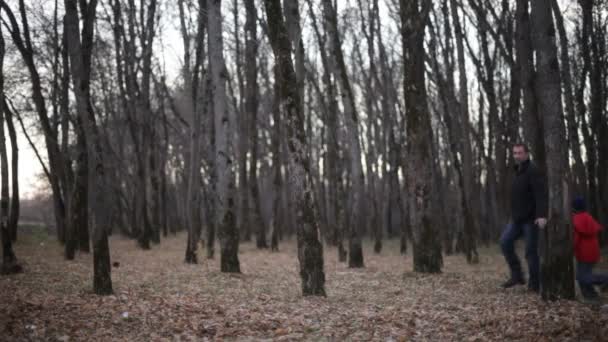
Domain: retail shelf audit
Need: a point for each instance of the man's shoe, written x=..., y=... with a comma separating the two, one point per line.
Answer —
x=512, y=282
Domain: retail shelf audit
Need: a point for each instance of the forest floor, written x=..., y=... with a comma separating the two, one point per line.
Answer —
x=159, y=297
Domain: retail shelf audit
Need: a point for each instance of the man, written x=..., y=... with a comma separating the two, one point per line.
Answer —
x=528, y=214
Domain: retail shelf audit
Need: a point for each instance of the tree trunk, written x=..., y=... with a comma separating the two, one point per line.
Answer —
x=556, y=266
x=210, y=198
x=13, y=219
x=471, y=224
x=78, y=203
x=277, y=181
x=153, y=160
x=532, y=124
x=355, y=251
x=225, y=187
x=335, y=234
x=9, y=261
x=419, y=173
x=578, y=174
x=245, y=224
x=77, y=190
x=80, y=56
x=194, y=202
x=588, y=139
x=251, y=108
x=310, y=249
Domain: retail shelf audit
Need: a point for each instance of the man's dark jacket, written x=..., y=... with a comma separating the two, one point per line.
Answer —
x=528, y=194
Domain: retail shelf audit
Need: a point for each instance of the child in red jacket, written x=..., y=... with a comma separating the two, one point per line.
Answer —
x=586, y=249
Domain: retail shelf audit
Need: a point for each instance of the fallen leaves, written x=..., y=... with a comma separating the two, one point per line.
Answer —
x=158, y=297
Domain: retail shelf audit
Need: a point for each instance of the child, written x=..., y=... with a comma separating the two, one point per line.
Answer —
x=586, y=250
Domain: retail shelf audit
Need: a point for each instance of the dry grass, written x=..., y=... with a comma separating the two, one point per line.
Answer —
x=158, y=297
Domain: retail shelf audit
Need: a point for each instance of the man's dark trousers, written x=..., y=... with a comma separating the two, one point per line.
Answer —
x=513, y=232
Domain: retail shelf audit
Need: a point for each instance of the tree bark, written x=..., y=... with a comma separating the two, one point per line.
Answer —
x=335, y=231
x=471, y=224
x=80, y=56
x=310, y=249
x=578, y=174
x=557, y=269
x=9, y=261
x=225, y=187
x=251, y=108
x=245, y=224
x=13, y=219
x=532, y=124
x=419, y=171
x=194, y=173
x=351, y=118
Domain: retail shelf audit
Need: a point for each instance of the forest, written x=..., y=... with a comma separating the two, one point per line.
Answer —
x=296, y=169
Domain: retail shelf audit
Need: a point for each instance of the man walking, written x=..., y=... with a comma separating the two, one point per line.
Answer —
x=528, y=214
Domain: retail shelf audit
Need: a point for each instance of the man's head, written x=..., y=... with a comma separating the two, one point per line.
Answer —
x=520, y=153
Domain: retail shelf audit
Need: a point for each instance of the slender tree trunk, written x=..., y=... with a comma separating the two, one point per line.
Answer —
x=598, y=92
x=210, y=198
x=225, y=188
x=310, y=249
x=566, y=77
x=427, y=247
x=80, y=56
x=355, y=255
x=532, y=124
x=557, y=269
x=245, y=224
x=251, y=108
x=471, y=225
x=335, y=233
x=78, y=203
x=194, y=201
x=9, y=261
x=588, y=139
x=13, y=218
x=277, y=181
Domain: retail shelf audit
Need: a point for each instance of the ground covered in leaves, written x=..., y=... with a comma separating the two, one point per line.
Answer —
x=158, y=297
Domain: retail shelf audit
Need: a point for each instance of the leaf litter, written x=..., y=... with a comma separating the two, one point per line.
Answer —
x=157, y=297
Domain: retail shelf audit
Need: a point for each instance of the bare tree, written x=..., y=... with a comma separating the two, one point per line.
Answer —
x=310, y=249
x=196, y=130
x=532, y=124
x=251, y=108
x=225, y=187
x=80, y=61
x=351, y=118
x=13, y=219
x=331, y=117
x=9, y=261
x=557, y=269
x=419, y=172
x=21, y=38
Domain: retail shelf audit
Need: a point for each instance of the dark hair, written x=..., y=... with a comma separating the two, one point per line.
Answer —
x=522, y=145
x=578, y=204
